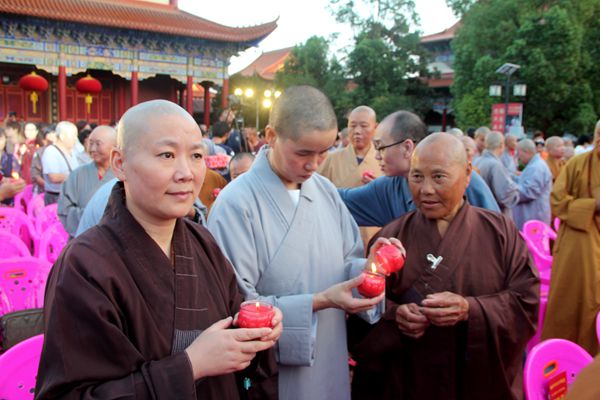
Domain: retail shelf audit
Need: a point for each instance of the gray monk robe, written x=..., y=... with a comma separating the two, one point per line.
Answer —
x=484, y=260
x=284, y=254
x=118, y=314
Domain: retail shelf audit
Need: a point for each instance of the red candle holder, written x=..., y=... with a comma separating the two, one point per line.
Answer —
x=368, y=174
x=373, y=284
x=389, y=258
x=215, y=192
x=255, y=314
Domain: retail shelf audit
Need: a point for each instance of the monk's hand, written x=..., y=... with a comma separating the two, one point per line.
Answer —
x=445, y=308
x=9, y=188
x=219, y=350
x=367, y=177
x=376, y=246
x=277, y=323
x=411, y=321
x=340, y=296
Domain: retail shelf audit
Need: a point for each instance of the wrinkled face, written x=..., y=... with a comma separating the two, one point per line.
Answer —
x=163, y=169
x=361, y=126
x=393, y=160
x=294, y=161
x=31, y=131
x=437, y=182
x=68, y=137
x=480, y=141
x=100, y=145
x=240, y=166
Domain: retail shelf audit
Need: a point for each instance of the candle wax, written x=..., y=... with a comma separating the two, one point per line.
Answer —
x=372, y=285
x=255, y=314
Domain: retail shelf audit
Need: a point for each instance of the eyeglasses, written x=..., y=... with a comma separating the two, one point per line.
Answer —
x=380, y=148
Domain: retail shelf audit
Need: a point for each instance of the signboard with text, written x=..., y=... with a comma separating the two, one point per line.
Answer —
x=511, y=121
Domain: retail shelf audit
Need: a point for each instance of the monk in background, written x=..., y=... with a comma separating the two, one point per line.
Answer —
x=461, y=311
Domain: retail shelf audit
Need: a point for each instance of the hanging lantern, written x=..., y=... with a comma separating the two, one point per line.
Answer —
x=35, y=83
x=89, y=86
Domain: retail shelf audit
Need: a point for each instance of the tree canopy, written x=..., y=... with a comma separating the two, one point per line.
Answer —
x=554, y=42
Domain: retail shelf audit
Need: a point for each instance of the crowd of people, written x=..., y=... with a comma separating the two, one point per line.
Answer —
x=144, y=298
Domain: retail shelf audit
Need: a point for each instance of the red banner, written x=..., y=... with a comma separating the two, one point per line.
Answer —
x=512, y=122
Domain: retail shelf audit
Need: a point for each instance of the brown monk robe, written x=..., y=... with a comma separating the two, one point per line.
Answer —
x=137, y=307
x=458, y=330
x=587, y=384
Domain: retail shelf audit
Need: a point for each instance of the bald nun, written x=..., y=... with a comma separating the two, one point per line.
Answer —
x=140, y=306
x=460, y=312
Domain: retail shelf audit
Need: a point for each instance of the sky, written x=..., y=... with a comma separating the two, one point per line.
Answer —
x=298, y=21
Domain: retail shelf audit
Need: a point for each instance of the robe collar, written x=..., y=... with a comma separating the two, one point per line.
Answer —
x=262, y=167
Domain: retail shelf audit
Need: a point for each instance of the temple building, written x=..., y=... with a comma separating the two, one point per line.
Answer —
x=100, y=57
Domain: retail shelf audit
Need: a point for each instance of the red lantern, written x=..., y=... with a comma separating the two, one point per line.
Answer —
x=35, y=83
x=89, y=86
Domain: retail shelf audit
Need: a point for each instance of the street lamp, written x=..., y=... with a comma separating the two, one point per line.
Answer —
x=508, y=70
x=266, y=101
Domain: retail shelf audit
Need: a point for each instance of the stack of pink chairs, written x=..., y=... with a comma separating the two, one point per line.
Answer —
x=537, y=236
x=18, y=223
x=12, y=246
x=551, y=367
x=18, y=369
x=46, y=216
x=52, y=241
x=35, y=205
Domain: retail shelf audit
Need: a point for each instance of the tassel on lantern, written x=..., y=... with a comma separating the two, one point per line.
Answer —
x=35, y=83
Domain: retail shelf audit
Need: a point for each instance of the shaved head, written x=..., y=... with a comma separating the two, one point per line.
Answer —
x=105, y=133
x=139, y=118
x=450, y=145
x=364, y=109
x=302, y=109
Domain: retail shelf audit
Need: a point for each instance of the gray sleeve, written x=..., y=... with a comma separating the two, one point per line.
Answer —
x=92, y=214
x=68, y=208
x=507, y=192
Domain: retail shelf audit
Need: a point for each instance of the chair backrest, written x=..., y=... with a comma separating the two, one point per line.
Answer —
x=22, y=283
x=17, y=223
x=541, y=317
x=556, y=224
x=540, y=234
x=35, y=205
x=22, y=199
x=52, y=241
x=598, y=326
x=46, y=217
x=12, y=246
x=553, y=361
x=19, y=367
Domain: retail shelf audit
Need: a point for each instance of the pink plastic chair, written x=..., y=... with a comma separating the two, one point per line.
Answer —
x=541, y=316
x=35, y=205
x=52, y=241
x=18, y=369
x=46, y=217
x=17, y=223
x=23, y=198
x=547, y=361
x=12, y=246
x=543, y=263
x=539, y=234
x=598, y=326
x=556, y=224
x=22, y=283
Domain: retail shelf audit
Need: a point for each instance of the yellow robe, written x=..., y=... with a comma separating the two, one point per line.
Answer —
x=555, y=166
x=574, y=298
x=343, y=170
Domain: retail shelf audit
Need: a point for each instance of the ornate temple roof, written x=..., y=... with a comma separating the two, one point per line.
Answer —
x=446, y=34
x=267, y=64
x=130, y=14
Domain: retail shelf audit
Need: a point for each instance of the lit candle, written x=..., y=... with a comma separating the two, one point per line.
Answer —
x=215, y=192
x=255, y=314
x=15, y=175
x=368, y=174
x=389, y=258
x=373, y=283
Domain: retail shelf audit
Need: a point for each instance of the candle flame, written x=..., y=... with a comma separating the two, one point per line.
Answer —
x=15, y=175
x=373, y=268
x=257, y=305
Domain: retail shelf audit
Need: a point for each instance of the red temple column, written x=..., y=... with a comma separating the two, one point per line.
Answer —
x=189, y=99
x=134, y=88
x=62, y=93
x=122, y=106
x=225, y=93
x=206, y=86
